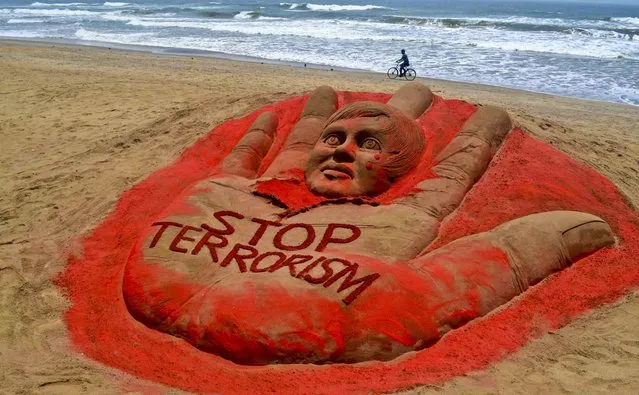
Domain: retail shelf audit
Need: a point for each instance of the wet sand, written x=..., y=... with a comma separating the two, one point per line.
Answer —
x=80, y=125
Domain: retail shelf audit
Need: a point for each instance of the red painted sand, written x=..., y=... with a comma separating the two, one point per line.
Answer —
x=525, y=177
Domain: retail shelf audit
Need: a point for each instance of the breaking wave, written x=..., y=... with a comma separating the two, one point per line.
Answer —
x=330, y=7
x=37, y=4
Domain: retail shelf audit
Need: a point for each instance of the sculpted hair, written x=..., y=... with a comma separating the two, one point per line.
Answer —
x=406, y=150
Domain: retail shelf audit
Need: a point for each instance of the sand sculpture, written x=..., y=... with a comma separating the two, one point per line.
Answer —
x=323, y=252
x=324, y=243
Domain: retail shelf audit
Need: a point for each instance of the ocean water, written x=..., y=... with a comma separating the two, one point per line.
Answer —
x=585, y=49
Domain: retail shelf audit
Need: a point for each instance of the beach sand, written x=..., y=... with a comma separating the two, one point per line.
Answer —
x=80, y=125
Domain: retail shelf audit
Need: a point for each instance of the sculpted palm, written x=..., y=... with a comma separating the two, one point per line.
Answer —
x=238, y=273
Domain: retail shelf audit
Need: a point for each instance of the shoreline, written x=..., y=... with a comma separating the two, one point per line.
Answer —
x=185, y=52
x=82, y=125
x=180, y=52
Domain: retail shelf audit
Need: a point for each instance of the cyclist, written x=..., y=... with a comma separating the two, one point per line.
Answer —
x=404, y=64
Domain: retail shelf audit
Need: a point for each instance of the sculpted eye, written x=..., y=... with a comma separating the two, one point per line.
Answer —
x=371, y=144
x=332, y=139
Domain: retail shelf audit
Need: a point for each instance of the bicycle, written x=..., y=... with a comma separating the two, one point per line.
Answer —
x=409, y=73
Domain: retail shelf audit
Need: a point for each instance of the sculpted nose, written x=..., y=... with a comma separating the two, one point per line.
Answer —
x=345, y=152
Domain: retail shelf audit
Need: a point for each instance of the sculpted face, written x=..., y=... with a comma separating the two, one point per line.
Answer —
x=362, y=150
x=347, y=158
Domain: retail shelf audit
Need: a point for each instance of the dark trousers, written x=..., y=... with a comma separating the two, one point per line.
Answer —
x=402, y=69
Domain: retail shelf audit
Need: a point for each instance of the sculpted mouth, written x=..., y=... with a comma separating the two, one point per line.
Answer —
x=337, y=172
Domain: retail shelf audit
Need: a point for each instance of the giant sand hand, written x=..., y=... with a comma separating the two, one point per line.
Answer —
x=238, y=267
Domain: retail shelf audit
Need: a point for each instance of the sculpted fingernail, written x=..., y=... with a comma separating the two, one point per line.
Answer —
x=369, y=166
x=587, y=234
x=377, y=156
x=321, y=103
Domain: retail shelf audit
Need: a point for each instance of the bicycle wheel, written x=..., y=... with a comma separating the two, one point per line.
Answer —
x=410, y=74
x=393, y=73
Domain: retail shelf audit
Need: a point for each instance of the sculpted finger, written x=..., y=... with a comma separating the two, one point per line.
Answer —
x=541, y=244
x=462, y=162
x=246, y=157
x=478, y=273
x=502, y=263
x=321, y=104
x=465, y=159
x=413, y=99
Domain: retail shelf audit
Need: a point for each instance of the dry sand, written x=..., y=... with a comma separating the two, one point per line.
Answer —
x=80, y=125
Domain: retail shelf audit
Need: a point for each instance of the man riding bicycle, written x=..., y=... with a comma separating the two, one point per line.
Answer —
x=404, y=64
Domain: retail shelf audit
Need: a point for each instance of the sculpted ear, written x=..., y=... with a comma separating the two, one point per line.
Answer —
x=412, y=99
